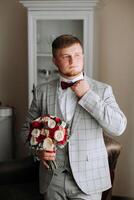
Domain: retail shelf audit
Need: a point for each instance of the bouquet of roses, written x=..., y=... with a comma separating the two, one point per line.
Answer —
x=48, y=133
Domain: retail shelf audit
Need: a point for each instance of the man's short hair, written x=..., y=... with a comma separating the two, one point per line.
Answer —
x=64, y=41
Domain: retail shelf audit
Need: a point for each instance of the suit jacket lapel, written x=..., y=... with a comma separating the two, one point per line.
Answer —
x=76, y=118
x=79, y=110
x=52, y=97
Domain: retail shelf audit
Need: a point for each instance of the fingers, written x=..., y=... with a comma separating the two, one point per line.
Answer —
x=45, y=164
x=80, y=87
x=44, y=155
x=49, y=156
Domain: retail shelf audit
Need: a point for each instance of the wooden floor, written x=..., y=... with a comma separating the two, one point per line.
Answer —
x=121, y=198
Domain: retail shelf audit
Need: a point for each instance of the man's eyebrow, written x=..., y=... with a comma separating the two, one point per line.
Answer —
x=65, y=54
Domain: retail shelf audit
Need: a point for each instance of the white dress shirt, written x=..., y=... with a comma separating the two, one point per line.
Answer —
x=68, y=99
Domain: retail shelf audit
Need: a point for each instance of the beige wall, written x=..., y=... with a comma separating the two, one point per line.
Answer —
x=116, y=67
x=13, y=58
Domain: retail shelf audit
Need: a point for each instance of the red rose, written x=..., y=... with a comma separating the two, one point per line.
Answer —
x=52, y=131
x=40, y=138
x=36, y=124
x=57, y=119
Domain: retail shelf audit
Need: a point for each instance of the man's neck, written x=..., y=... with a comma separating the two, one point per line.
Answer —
x=71, y=77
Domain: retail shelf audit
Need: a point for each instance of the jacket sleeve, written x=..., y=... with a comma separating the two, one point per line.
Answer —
x=34, y=112
x=105, y=110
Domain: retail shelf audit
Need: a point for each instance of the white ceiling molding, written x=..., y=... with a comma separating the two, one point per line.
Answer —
x=60, y=4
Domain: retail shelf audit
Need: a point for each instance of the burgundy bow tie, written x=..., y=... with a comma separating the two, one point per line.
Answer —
x=65, y=85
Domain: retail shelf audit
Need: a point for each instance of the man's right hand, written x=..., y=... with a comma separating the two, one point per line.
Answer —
x=45, y=156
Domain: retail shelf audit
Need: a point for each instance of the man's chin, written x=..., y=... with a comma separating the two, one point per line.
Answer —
x=71, y=74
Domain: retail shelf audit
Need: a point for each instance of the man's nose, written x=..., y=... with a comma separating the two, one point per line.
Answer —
x=71, y=60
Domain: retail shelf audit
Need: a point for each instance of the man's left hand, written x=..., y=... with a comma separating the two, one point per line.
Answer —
x=80, y=88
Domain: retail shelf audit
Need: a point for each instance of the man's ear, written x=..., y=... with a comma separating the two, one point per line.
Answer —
x=54, y=60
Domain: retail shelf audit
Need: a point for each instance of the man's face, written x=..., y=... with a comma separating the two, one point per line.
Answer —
x=69, y=60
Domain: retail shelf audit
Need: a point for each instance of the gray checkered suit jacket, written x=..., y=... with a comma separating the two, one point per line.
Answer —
x=95, y=111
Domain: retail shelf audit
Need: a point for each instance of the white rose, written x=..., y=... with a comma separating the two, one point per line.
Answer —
x=63, y=124
x=51, y=123
x=35, y=132
x=48, y=144
x=59, y=135
x=37, y=120
x=33, y=141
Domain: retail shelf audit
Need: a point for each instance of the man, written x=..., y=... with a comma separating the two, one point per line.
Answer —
x=89, y=107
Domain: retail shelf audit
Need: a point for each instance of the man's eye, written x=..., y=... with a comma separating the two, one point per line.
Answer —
x=77, y=55
x=65, y=57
